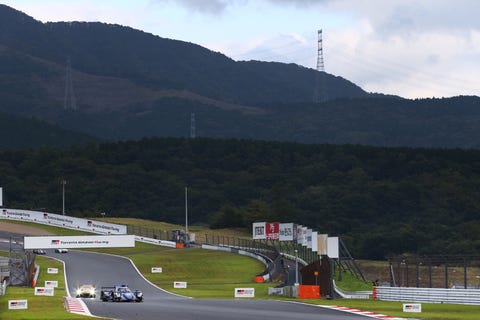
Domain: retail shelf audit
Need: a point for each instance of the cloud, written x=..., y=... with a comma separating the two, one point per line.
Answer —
x=215, y=7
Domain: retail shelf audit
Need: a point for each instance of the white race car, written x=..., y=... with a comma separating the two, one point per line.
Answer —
x=61, y=250
x=86, y=291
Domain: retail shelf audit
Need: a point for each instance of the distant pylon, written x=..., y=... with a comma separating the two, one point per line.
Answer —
x=69, y=101
x=320, y=93
x=192, y=126
x=320, y=65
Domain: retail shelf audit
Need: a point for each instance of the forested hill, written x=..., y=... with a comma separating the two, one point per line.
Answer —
x=24, y=133
x=127, y=84
x=380, y=200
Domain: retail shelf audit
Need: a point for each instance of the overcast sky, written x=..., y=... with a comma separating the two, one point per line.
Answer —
x=411, y=48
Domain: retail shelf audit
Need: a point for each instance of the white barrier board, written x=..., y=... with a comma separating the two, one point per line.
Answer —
x=75, y=242
x=244, y=292
x=156, y=269
x=17, y=304
x=63, y=221
x=163, y=243
x=180, y=285
x=412, y=307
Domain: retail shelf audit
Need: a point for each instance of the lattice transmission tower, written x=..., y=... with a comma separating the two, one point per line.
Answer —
x=69, y=100
x=320, y=65
x=320, y=90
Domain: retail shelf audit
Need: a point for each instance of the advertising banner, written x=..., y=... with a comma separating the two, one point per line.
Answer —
x=322, y=244
x=180, y=285
x=17, y=304
x=333, y=248
x=75, y=242
x=156, y=269
x=51, y=284
x=259, y=232
x=1, y=197
x=304, y=236
x=314, y=241
x=287, y=232
x=64, y=221
x=244, y=292
x=309, y=238
x=412, y=307
x=299, y=234
x=42, y=291
x=163, y=243
x=272, y=230
x=52, y=270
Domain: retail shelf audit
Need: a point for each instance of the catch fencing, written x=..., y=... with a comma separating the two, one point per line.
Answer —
x=428, y=295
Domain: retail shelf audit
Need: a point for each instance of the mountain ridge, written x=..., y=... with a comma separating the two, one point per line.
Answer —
x=130, y=84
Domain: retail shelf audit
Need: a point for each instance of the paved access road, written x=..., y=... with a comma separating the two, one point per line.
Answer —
x=105, y=270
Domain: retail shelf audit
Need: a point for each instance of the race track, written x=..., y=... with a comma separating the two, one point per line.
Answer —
x=105, y=270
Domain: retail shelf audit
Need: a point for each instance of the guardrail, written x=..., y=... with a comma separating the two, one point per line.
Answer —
x=359, y=295
x=433, y=295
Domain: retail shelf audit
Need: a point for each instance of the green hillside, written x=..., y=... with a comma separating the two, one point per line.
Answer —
x=380, y=200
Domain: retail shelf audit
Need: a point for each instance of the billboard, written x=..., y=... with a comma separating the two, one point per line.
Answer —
x=1, y=197
x=76, y=242
x=322, y=244
x=272, y=230
x=299, y=234
x=315, y=241
x=287, y=232
x=64, y=221
x=333, y=251
x=259, y=230
x=309, y=238
x=304, y=236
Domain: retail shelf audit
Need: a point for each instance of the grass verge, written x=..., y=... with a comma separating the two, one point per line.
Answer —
x=39, y=307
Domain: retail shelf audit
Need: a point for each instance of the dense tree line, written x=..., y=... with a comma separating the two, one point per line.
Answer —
x=380, y=200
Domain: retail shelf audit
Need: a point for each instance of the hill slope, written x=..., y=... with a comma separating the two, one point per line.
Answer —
x=129, y=84
x=380, y=200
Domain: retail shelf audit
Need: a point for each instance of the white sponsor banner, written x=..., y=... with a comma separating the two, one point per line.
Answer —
x=163, y=243
x=180, y=285
x=1, y=197
x=43, y=291
x=244, y=292
x=309, y=238
x=333, y=251
x=64, y=221
x=412, y=307
x=304, y=236
x=322, y=244
x=17, y=304
x=52, y=270
x=314, y=241
x=259, y=232
x=51, y=284
x=299, y=234
x=157, y=270
x=287, y=232
x=74, y=242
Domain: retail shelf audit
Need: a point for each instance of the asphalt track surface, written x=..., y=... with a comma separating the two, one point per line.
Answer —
x=106, y=270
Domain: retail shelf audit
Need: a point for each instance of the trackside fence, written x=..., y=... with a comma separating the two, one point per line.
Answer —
x=431, y=295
